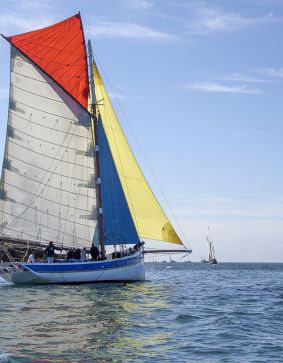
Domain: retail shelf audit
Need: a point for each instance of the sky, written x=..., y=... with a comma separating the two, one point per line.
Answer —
x=198, y=88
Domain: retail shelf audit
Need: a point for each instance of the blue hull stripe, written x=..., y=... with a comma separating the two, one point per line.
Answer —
x=82, y=266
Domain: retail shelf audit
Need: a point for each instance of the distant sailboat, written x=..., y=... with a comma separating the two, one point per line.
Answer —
x=211, y=254
x=69, y=176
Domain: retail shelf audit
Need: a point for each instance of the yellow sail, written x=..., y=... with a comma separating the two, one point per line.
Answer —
x=149, y=218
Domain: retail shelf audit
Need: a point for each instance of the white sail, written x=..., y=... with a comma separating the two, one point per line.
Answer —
x=47, y=184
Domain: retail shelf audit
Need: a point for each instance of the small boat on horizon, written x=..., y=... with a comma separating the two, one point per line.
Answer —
x=211, y=254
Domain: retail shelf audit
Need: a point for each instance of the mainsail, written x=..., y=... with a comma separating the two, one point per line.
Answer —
x=47, y=187
x=49, y=184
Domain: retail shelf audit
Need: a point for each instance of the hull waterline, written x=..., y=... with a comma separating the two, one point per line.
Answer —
x=126, y=269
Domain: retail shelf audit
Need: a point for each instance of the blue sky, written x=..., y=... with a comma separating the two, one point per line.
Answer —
x=200, y=84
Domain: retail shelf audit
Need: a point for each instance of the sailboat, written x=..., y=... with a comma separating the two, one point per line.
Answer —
x=211, y=254
x=69, y=176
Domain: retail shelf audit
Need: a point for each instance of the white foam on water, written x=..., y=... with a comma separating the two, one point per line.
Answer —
x=3, y=282
x=4, y=357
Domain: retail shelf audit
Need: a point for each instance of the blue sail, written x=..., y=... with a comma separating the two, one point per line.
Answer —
x=118, y=223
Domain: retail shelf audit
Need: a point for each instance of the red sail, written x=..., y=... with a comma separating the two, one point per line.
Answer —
x=59, y=50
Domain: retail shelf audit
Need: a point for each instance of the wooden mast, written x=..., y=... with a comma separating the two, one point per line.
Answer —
x=94, y=126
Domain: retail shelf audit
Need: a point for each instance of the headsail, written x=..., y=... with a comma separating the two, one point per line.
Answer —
x=47, y=183
x=119, y=227
x=149, y=218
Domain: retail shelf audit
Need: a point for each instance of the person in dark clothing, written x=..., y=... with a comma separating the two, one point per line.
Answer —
x=70, y=254
x=49, y=252
x=94, y=252
x=138, y=246
x=77, y=254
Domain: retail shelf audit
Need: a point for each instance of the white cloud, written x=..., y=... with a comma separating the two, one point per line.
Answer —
x=19, y=22
x=271, y=72
x=240, y=77
x=33, y=4
x=117, y=96
x=207, y=19
x=231, y=209
x=120, y=93
x=247, y=134
x=109, y=29
x=27, y=5
x=220, y=88
x=138, y=4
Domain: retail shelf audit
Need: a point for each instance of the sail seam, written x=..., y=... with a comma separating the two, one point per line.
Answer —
x=44, y=185
x=58, y=217
x=62, y=33
x=70, y=52
x=25, y=233
x=49, y=186
x=36, y=240
x=24, y=59
x=37, y=94
x=49, y=142
x=65, y=29
x=43, y=225
x=48, y=127
x=49, y=113
x=49, y=29
x=46, y=170
x=50, y=157
x=46, y=199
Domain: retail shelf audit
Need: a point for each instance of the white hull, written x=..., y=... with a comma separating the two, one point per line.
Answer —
x=131, y=272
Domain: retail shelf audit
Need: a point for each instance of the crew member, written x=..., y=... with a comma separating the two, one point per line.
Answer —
x=49, y=252
x=94, y=251
x=83, y=254
x=31, y=258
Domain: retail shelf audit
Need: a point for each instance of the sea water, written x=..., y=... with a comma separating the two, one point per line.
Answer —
x=184, y=312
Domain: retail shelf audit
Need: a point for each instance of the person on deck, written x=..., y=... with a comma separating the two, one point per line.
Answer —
x=83, y=254
x=49, y=252
x=94, y=251
x=71, y=254
x=77, y=254
x=138, y=246
x=31, y=258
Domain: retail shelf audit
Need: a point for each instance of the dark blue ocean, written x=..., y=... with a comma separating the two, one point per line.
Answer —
x=184, y=312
